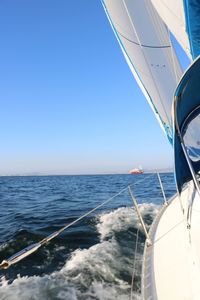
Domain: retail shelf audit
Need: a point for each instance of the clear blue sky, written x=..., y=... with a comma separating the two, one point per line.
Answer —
x=69, y=104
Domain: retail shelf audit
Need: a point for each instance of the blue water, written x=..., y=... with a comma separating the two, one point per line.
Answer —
x=91, y=260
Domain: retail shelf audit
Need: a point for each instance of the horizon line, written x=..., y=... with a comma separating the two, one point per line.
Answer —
x=85, y=174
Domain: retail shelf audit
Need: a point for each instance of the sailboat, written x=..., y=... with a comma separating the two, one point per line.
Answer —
x=171, y=261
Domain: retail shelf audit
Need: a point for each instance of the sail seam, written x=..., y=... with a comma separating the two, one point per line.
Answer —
x=149, y=12
x=142, y=45
x=173, y=60
x=163, y=125
x=165, y=113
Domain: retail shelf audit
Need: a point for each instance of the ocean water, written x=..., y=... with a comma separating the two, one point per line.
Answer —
x=94, y=259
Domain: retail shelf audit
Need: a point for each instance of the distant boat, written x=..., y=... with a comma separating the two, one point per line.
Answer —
x=136, y=171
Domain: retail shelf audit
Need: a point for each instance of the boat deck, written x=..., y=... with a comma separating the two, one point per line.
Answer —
x=167, y=264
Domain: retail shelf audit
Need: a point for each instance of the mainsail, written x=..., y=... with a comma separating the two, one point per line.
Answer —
x=146, y=45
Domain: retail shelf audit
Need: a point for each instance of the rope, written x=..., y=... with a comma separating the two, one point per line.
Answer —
x=34, y=247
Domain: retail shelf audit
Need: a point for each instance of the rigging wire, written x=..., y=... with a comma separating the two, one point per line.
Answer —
x=34, y=247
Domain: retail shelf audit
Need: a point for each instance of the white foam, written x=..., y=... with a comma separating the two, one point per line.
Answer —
x=123, y=218
x=101, y=261
x=94, y=273
x=36, y=287
x=3, y=281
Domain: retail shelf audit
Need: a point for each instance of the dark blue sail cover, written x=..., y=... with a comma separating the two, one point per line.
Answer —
x=192, y=17
x=187, y=118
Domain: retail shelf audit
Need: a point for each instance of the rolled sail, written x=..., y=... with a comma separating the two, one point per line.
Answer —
x=186, y=126
x=146, y=45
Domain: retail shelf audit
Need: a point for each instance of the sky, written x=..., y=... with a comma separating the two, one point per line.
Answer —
x=69, y=103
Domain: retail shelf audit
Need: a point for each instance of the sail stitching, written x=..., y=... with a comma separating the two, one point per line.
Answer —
x=130, y=63
x=166, y=115
x=173, y=60
x=149, y=11
x=147, y=63
x=172, y=52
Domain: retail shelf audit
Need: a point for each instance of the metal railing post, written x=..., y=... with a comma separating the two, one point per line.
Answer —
x=162, y=189
x=149, y=242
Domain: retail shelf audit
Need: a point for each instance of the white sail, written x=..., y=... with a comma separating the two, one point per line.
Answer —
x=146, y=44
x=173, y=14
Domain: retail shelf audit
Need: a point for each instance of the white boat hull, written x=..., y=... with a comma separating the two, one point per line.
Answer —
x=171, y=266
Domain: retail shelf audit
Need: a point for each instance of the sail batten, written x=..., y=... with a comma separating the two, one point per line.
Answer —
x=145, y=43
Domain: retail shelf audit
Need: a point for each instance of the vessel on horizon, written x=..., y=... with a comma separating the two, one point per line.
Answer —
x=171, y=258
x=136, y=171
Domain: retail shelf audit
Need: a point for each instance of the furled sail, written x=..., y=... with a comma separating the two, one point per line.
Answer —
x=186, y=120
x=182, y=17
x=146, y=45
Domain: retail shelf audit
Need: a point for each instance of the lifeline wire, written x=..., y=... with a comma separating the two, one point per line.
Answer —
x=34, y=247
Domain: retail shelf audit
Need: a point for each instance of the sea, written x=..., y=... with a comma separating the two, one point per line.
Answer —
x=100, y=257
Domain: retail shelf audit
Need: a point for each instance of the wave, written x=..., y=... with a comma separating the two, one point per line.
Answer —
x=101, y=272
